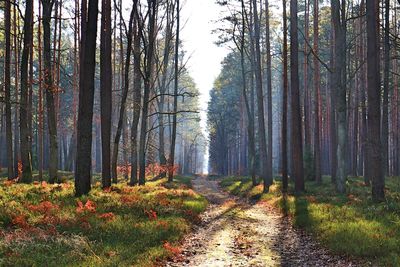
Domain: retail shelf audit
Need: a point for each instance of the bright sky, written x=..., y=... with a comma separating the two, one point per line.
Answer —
x=204, y=65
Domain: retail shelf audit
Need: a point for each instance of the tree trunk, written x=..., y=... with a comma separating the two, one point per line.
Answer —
x=123, y=103
x=86, y=99
x=317, y=153
x=285, y=103
x=373, y=91
x=51, y=90
x=175, y=105
x=105, y=91
x=26, y=157
x=269, y=171
x=137, y=95
x=297, y=147
x=7, y=93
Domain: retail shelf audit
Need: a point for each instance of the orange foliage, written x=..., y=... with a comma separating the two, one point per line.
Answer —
x=162, y=224
x=151, y=214
x=124, y=169
x=10, y=182
x=154, y=169
x=43, y=207
x=90, y=206
x=109, y=216
x=174, y=250
x=20, y=221
x=19, y=168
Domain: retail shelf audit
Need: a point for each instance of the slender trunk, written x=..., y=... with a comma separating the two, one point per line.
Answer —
x=122, y=109
x=137, y=95
x=51, y=90
x=269, y=171
x=297, y=147
x=26, y=157
x=106, y=91
x=7, y=93
x=260, y=101
x=373, y=92
x=175, y=105
x=385, y=102
x=86, y=99
x=317, y=153
x=285, y=103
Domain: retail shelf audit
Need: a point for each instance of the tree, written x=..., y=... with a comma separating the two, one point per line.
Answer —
x=50, y=90
x=374, y=112
x=86, y=98
x=125, y=91
x=269, y=177
x=137, y=94
x=317, y=154
x=297, y=147
x=175, y=105
x=7, y=88
x=26, y=157
x=339, y=80
x=106, y=91
x=260, y=100
x=285, y=103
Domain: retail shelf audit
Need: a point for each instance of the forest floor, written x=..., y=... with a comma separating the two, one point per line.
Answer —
x=46, y=225
x=237, y=232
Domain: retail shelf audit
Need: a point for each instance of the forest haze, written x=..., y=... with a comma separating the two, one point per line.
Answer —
x=105, y=135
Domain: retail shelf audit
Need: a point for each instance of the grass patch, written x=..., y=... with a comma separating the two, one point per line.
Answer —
x=45, y=225
x=350, y=224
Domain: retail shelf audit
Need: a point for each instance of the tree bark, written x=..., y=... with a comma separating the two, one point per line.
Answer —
x=86, y=99
x=26, y=157
x=374, y=111
x=317, y=96
x=105, y=91
x=285, y=103
x=7, y=93
x=297, y=147
x=51, y=90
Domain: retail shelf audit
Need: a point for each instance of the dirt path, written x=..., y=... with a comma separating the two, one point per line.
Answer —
x=235, y=233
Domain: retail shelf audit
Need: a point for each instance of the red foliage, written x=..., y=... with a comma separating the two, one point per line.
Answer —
x=174, y=250
x=155, y=169
x=10, y=182
x=109, y=216
x=20, y=221
x=19, y=168
x=151, y=214
x=129, y=199
x=90, y=206
x=162, y=224
x=43, y=207
x=124, y=169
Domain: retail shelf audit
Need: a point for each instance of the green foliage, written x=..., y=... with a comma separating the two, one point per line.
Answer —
x=352, y=224
x=45, y=225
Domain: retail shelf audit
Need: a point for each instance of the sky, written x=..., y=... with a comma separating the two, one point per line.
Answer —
x=204, y=65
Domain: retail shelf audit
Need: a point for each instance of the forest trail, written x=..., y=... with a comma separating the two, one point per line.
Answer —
x=233, y=232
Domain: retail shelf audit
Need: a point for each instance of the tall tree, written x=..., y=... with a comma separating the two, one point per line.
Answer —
x=137, y=94
x=385, y=96
x=26, y=157
x=339, y=80
x=86, y=98
x=285, y=102
x=374, y=112
x=260, y=99
x=105, y=91
x=125, y=91
x=50, y=90
x=269, y=96
x=7, y=88
x=317, y=153
x=148, y=85
x=297, y=147
x=175, y=105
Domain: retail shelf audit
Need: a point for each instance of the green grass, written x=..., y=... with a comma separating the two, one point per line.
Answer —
x=43, y=225
x=350, y=224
